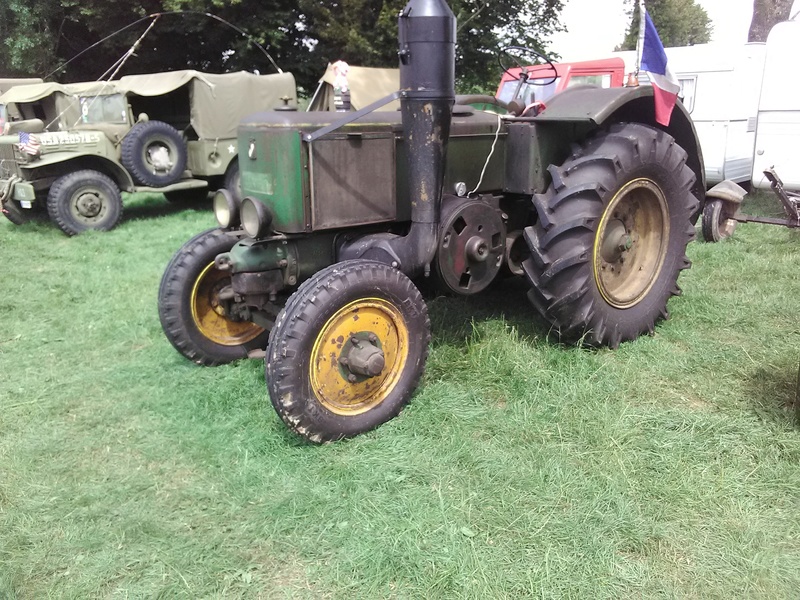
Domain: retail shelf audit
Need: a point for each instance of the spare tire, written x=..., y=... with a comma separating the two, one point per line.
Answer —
x=154, y=153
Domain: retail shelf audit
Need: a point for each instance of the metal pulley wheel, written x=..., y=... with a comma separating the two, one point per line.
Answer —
x=472, y=245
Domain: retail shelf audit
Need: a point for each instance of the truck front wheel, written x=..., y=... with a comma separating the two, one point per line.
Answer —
x=347, y=351
x=192, y=309
x=611, y=235
x=84, y=200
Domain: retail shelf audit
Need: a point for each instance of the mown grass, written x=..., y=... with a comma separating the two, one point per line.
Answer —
x=669, y=467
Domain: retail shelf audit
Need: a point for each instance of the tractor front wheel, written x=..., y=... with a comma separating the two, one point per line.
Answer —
x=611, y=235
x=347, y=351
x=192, y=305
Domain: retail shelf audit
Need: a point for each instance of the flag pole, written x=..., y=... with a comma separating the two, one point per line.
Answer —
x=640, y=39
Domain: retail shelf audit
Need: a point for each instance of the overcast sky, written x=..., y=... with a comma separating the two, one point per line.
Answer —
x=597, y=26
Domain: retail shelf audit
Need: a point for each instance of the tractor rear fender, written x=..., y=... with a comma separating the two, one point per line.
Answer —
x=52, y=166
x=576, y=113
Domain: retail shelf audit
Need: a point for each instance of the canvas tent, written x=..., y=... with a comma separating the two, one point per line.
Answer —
x=6, y=83
x=367, y=84
x=217, y=101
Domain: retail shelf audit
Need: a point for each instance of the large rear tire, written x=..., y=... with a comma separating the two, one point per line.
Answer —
x=154, y=153
x=611, y=235
x=84, y=200
x=347, y=351
x=191, y=308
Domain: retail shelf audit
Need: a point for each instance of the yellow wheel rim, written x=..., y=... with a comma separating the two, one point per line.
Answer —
x=329, y=378
x=209, y=315
x=631, y=243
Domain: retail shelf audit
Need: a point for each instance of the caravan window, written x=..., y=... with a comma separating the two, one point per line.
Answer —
x=3, y=119
x=686, y=94
x=104, y=109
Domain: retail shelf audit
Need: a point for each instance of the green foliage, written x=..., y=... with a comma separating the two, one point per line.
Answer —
x=679, y=23
x=364, y=32
x=667, y=468
x=302, y=37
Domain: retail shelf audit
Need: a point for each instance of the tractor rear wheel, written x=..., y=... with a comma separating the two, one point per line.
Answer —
x=347, y=351
x=611, y=235
x=192, y=305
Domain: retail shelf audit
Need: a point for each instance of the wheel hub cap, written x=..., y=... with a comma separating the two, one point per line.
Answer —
x=358, y=356
x=631, y=243
x=88, y=205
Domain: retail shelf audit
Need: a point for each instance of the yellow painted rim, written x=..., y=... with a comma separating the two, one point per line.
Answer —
x=636, y=217
x=329, y=382
x=208, y=315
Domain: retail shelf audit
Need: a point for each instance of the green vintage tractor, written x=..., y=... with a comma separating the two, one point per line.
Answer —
x=588, y=200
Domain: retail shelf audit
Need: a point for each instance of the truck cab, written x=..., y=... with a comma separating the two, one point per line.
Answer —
x=543, y=81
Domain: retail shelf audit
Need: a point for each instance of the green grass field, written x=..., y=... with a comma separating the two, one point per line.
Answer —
x=523, y=468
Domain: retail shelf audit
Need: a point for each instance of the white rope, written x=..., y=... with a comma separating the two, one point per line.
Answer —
x=488, y=158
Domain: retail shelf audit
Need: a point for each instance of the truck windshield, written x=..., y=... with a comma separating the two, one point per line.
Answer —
x=529, y=91
x=103, y=109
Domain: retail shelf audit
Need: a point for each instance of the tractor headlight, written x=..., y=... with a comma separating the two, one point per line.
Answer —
x=226, y=209
x=256, y=217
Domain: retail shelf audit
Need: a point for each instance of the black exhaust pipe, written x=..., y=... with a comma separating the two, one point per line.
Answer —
x=427, y=38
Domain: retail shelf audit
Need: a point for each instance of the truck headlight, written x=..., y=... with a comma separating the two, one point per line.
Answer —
x=256, y=217
x=226, y=209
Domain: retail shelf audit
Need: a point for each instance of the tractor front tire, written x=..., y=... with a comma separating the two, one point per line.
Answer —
x=84, y=200
x=611, y=235
x=233, y=179
x=189, y=307
x=347, y=351
x=187, y=197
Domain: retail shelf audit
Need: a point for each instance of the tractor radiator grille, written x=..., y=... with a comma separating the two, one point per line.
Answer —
x=8, y=162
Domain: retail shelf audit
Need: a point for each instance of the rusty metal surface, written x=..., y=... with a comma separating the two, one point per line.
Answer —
x=352, y=181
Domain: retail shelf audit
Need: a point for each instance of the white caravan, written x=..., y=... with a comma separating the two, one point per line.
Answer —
x=778, y=131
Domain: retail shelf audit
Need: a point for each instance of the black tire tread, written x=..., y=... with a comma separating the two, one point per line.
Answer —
x=131, y=153
x=173, y=302
x=57, y=203
x=559, y=268
x=286, y=345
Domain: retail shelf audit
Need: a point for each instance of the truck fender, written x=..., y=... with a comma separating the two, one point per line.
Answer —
x=57, y=163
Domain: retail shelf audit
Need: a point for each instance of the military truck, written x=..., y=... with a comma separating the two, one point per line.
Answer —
x=589, y=201
x=78, y=146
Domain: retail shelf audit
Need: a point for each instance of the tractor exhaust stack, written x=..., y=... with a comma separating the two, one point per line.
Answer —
x=427, y=37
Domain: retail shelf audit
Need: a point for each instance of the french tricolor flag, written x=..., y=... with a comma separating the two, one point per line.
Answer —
x=654, y=63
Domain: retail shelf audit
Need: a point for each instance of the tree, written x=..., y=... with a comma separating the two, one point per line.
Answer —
x=766, y=13
x=39, y=36
x=679, y=23
x=364, y=32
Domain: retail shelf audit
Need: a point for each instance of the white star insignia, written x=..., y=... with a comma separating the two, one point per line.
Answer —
x=231, y=149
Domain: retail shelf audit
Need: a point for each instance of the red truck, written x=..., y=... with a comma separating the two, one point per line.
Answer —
x=543, y=81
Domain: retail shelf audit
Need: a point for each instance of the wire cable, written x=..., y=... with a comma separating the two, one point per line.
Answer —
x=169, y=13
